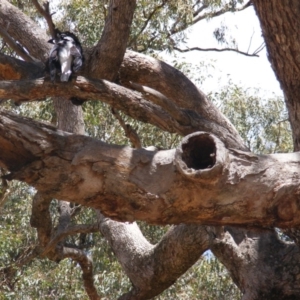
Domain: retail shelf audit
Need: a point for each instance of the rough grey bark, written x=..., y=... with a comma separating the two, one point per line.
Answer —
x=260, y=274
x=107, y=56
x=280, y=25
x=69, y=116
x=141, y=106
x=201, y=182
x=52, y=240
x=139, y=258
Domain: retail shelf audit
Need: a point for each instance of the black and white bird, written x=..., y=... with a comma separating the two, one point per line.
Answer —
x=65, y=56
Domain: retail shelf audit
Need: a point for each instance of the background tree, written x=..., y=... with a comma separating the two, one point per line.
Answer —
x=148, y=90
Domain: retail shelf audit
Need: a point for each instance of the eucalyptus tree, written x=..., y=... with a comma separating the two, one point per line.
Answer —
x=216, y=193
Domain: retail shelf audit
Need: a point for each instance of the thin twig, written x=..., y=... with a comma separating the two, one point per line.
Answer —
x=5, y=191
x=210, y=15
x=199, y=10
x=45, y=12
x=130, y=133
x=157, y=8
x=250, y=42
x=254, y=54
x=260, y=48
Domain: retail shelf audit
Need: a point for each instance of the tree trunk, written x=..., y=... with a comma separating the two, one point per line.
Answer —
x=261, y=265
x=69, y=116
x=280, y=23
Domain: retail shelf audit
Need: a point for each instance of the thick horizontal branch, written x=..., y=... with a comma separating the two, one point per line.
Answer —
x=132, y=103
x=199, y=182
x=148, y=72
x=13, y=69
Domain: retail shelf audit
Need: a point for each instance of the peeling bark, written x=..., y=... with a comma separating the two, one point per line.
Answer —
x=201, y=182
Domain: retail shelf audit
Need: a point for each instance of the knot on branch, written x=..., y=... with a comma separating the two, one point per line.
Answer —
x=201, y=156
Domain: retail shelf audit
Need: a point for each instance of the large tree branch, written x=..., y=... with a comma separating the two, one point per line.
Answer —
x=173, y=84
x=149, y=72
x=13, y=69
x=132, y=103
x=15, y=46
x=153, y=268
x=24, y=30
x=216, y=184
x=52, y=240
x=108, y=54
x=282, y=43
x=259, y=262
x=280, y=23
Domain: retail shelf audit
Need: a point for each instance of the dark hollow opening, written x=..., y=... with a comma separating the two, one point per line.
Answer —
x=199, y=152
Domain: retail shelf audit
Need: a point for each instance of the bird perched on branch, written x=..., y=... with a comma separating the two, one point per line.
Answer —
x=65, y=56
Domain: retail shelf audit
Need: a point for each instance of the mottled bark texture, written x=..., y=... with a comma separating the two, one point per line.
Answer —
x=203, y=181
x=260, y=274
x=143, y=107
x=139, y=258
x=200, y=182
x=69, y=117
x=108, y=54
x=24, y=30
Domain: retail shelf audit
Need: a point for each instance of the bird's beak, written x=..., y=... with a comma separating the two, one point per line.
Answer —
x=51, y=41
